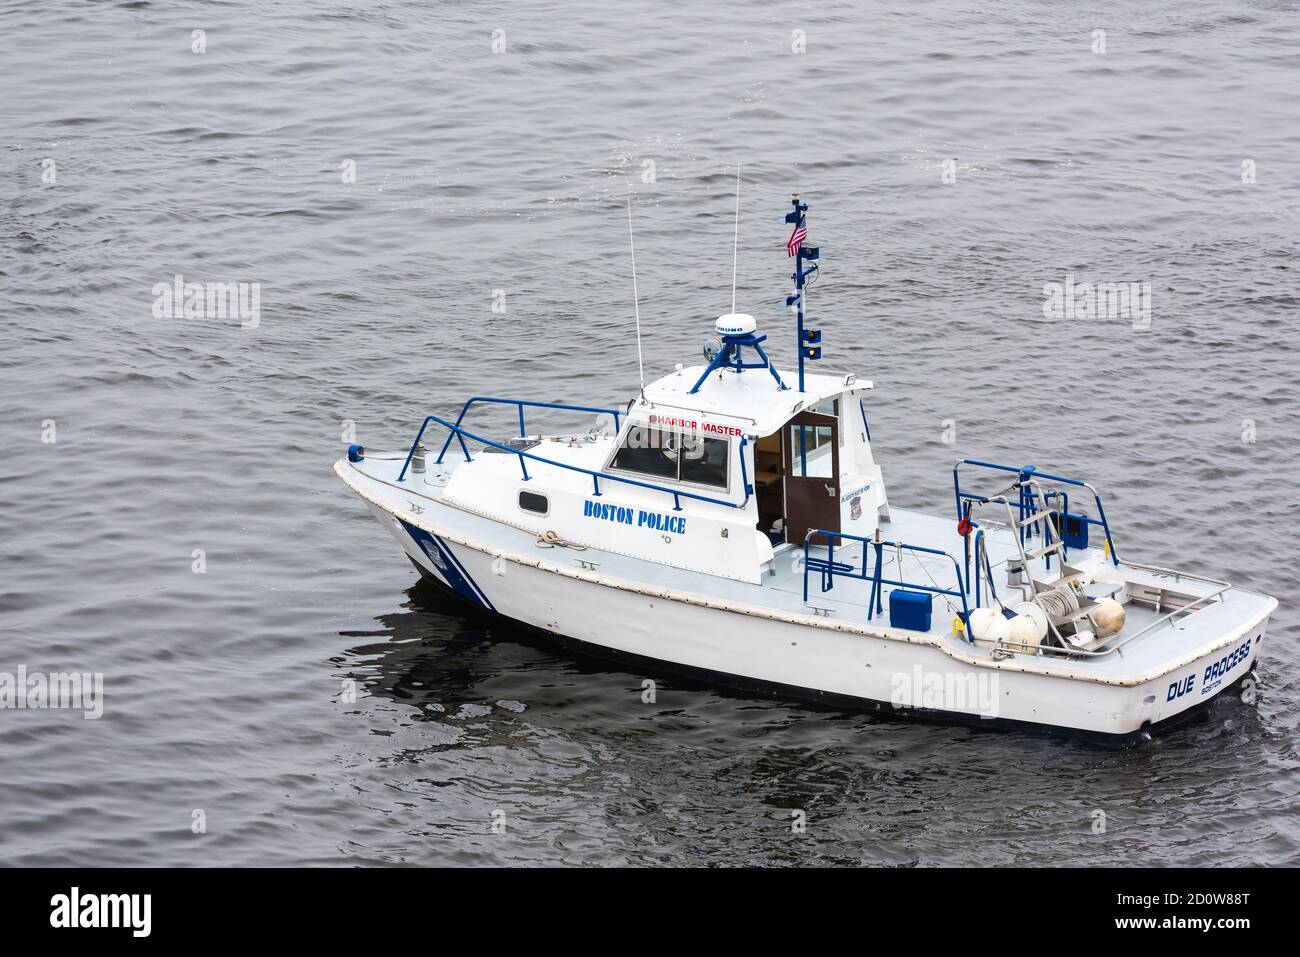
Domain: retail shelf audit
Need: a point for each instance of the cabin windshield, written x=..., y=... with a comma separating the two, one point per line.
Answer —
x=674, y=455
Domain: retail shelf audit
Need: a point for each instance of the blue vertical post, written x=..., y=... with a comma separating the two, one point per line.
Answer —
x=875, y=604
x=798, y=285
x=796, y=218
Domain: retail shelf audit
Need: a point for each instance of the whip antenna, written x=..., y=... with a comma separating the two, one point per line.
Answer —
x=636, y=302
x=735, y=242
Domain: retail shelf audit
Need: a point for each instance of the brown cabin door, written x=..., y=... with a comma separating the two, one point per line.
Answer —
x=812, y=468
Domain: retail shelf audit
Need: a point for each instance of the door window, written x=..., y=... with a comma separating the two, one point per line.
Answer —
x=811, y=451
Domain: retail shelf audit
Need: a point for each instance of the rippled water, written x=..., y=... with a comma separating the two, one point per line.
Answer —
x=477, y=171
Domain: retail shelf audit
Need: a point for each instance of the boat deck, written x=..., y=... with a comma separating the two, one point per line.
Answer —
x=781, y=587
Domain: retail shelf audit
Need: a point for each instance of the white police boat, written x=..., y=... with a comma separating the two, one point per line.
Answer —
x=734, y=526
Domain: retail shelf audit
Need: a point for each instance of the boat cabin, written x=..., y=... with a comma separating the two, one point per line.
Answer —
x=803, y=459
x=709, y=469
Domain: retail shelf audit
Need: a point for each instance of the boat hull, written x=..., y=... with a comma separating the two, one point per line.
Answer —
x=657, y=633
x=642, y=664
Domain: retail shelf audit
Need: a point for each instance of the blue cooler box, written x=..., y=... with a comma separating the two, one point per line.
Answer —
x=909, y=609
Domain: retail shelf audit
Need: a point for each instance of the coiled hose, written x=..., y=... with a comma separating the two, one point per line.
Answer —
x=1059, y=602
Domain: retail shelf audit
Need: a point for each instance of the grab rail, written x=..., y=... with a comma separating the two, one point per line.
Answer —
x=1025, y=473
x=829, y=568
x=1106, y=647
x=863, y=409
x=1220, y=588
x=460, y=434
x=981, y=551
x=520, y=403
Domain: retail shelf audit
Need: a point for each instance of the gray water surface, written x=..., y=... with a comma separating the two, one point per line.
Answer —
x=478, y=171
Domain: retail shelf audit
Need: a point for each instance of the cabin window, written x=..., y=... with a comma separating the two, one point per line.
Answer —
x=674, y=455
x=704, y=461
x=831, y=407
x=647, y=450
x=828, y=407
x=532, y=502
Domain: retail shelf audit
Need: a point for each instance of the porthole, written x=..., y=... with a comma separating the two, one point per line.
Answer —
x=532, y=502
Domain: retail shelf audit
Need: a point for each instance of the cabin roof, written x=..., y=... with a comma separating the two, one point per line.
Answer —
x=750, y=400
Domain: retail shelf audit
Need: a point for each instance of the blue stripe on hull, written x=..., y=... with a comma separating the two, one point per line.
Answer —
x=448, y=565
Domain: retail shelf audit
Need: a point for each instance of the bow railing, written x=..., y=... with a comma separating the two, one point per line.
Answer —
x=459, y=433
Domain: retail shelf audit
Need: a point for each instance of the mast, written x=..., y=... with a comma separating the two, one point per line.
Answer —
x=808, y=341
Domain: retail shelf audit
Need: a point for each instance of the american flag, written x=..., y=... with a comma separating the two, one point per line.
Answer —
x=796, y=239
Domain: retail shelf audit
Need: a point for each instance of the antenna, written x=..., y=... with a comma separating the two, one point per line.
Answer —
x=735, y=242
x=636, y=302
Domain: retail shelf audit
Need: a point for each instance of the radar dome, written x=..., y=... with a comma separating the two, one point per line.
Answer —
x=735, y=324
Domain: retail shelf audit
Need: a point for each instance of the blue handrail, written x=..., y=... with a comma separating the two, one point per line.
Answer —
x=461, y=434
x=829, y=568
x=744, y=472
x=520, y=403
x=1027, y=472
x=980, y=549
x=863, y=409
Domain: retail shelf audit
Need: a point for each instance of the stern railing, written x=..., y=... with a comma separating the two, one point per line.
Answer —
x=1024, y=475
